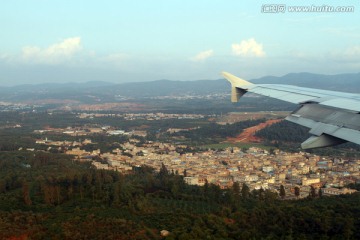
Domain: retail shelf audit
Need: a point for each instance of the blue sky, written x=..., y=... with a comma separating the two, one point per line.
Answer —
x=122, y=41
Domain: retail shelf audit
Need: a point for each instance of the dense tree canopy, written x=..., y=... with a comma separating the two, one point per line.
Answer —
x=51, y=196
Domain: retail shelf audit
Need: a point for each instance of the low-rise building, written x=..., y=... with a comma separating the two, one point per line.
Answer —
x=337, y=191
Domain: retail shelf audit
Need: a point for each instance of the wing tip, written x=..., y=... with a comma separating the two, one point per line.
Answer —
x=238, y=86
x=235, y=81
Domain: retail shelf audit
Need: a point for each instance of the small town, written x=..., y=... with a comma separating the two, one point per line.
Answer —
x=256, y=167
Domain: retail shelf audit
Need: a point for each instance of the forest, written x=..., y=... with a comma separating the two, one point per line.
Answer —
x=51, y=196
x=215, y=133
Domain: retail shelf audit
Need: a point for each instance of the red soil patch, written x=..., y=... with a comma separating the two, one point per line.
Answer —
x=21, y=237
x=248, y=134
x=229, y=221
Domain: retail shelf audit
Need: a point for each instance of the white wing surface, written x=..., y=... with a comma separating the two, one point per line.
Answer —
x=333, y=117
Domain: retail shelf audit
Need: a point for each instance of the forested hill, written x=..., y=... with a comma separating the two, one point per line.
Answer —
x=49, y=196
x=340, y=82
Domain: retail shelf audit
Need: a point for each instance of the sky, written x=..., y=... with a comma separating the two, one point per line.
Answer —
x=140, y=40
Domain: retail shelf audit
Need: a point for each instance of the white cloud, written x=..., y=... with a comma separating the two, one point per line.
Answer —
x=4, y=57
x=56, y=53
x=248, y=48
x=349, y=55
x=349, y=32
x=116, y=58
x=352, y=52
x=203, y=55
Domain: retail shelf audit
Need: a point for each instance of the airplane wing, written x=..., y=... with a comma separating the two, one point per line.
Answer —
x=333, y=117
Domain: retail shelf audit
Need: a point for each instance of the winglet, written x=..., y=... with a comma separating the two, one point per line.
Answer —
x=238, y=86
x=235, y=81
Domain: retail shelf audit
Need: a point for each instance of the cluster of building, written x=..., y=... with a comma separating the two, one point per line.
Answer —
x=257, y=168
x=10, y=107
x=88, y=131
x=161, y=116
x=64, y=143
x=144, y=116
x=211, y=96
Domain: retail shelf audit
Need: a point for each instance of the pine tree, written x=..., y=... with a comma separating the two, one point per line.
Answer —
x=320, y=192
x=245, y=191
x=236, y=190
x=26, y=194
x=297, y=192
x=282, y=192
x=312, y=192
x=261, y=194
x=163, y=170
x=117, y=193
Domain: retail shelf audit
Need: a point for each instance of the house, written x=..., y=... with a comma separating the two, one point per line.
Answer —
x=337, y=191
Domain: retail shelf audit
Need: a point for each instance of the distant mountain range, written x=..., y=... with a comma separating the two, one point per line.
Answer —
x=349, y=82
x=341, y=82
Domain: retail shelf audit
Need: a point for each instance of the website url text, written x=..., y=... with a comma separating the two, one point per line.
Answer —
x=282, y=8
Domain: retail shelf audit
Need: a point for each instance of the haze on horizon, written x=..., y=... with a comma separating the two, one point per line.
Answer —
x=124, y=41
